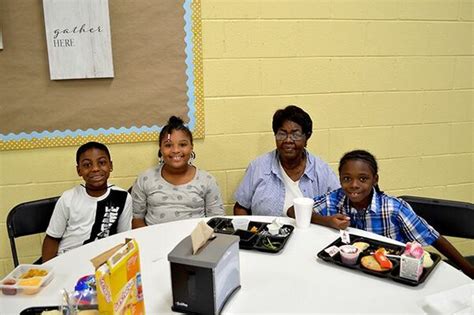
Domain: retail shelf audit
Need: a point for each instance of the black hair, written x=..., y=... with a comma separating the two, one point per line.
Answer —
x=91, y=145
x=363, y=156
x=295, y=114
x=174, y=123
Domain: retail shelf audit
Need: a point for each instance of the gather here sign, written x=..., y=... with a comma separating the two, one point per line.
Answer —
x=78, y=39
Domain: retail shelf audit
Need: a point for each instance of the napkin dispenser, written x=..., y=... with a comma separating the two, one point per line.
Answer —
x=203, y=283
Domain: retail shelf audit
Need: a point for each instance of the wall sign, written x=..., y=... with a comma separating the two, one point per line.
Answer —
x=78, y=39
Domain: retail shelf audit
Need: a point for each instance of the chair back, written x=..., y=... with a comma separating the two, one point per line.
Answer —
x=448, y=217
x=29, y=218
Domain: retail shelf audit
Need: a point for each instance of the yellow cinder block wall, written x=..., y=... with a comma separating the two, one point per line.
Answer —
x=394, y=77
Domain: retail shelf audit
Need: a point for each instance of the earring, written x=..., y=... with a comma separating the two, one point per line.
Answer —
x=160, y=158
x=191, y=159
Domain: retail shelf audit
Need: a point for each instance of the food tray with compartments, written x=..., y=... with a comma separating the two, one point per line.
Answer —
x=26, y=279
x=392, y=249
x=256, y=236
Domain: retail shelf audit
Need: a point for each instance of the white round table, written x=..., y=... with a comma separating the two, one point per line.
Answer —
x=292, y=281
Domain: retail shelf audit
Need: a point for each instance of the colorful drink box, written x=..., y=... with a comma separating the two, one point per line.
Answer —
x=411, y=267
x=118, y=280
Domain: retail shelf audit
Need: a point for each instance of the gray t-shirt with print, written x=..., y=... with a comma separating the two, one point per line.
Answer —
x=158, y=201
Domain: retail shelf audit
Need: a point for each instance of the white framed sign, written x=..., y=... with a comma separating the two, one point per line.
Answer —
x=78, y=39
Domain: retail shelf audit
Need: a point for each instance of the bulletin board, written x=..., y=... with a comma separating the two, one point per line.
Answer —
x=157, y=57
x=1, y=35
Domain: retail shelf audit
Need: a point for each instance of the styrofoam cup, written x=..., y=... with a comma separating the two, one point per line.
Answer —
x=303, y=210
x=240, y=223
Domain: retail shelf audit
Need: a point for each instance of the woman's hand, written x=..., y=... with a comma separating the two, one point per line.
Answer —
x=339, y=221
x=239, y=210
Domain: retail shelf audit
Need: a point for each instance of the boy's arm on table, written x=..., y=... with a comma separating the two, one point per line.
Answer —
x=338, y=221
x=50, y=248
x=448, y=250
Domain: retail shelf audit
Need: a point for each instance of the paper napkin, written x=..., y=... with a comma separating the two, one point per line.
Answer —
x=200, y=235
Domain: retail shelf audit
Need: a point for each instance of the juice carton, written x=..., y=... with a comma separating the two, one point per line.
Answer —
x=411, y=262
x=118, y=280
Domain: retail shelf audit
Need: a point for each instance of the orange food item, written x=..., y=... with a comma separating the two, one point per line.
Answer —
x=30, y=285
x=254, y=229
x=33, y=282
x=34, y=273
x=382, y=259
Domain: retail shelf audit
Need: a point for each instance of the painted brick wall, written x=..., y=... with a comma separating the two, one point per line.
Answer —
x=394, y=77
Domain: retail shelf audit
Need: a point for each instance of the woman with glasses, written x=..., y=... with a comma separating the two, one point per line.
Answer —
x=274, y=179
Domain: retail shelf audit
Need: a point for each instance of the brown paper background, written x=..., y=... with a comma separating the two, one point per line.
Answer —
x=149, y=63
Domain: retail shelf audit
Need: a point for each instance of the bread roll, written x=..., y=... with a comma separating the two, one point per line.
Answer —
x=427, y=261
x=361, y=245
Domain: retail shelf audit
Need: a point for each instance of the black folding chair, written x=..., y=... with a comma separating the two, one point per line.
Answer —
x=448, y=217
x=29, y=218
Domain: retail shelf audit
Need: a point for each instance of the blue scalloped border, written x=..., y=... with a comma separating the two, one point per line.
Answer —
x=188, y=38
x=188, y=27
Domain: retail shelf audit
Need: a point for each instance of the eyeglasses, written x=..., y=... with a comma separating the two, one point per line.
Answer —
x=295, y=136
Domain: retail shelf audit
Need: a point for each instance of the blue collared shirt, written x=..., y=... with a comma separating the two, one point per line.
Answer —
x=263, y=191
x=386, y=215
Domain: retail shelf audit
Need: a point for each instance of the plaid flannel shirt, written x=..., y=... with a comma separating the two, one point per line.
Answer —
x=386, y=215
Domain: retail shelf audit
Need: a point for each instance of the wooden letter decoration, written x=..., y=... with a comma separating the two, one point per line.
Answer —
x=78, y=39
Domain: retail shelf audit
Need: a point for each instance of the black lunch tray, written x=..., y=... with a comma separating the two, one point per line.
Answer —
x=37, y=310
x=393, y=274
x=251, y=240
